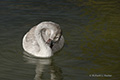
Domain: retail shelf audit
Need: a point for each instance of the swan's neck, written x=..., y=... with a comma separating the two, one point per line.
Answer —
x=44, y=49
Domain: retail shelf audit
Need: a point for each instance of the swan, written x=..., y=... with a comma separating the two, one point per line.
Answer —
x=43, y=40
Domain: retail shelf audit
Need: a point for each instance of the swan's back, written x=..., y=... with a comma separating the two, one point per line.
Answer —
x=29, y=42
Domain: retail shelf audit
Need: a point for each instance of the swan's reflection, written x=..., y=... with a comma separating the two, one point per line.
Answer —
x=44, y=66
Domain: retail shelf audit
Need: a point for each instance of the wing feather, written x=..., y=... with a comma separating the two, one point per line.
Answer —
x=58, y=45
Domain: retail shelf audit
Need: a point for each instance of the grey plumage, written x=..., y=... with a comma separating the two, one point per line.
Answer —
x=36, y=39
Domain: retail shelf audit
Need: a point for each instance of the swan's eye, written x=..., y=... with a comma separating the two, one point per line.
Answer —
x=56, y=38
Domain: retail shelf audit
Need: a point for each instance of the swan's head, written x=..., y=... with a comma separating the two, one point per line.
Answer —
x=51, y=32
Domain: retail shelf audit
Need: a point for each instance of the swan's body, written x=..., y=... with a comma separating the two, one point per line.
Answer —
x=38, y=41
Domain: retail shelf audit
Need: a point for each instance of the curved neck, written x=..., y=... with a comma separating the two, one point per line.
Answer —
x=39, y=38
x=45, y=50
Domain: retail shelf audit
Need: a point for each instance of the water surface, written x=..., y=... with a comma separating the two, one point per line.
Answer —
x=91, y=31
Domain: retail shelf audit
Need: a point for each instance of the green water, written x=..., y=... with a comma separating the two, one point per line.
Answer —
x=92, y=44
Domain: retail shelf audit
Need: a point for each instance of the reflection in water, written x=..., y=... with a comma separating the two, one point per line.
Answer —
x=42, y=65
